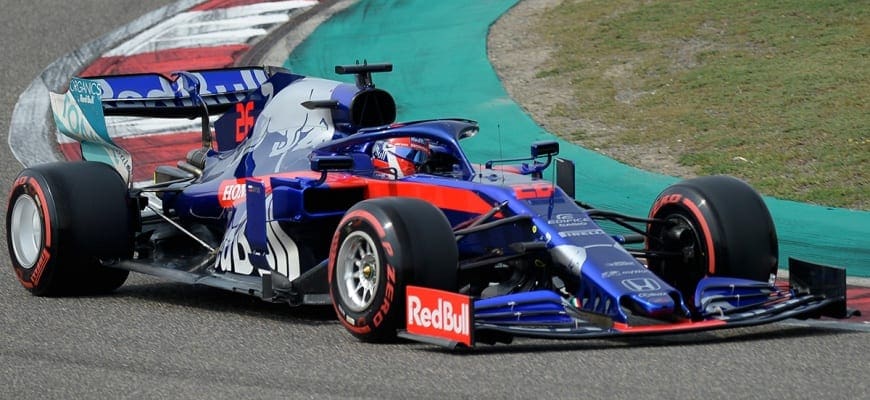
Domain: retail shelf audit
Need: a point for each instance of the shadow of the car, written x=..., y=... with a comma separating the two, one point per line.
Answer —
x=706, y=338
x=218, y=300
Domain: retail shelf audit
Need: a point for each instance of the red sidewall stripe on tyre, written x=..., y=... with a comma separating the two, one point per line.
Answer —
x=359, y=327
x=711, y=251
x=696, y=212
x=23, y=183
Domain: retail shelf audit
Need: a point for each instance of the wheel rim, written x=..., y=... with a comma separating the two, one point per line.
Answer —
x=26, y=231
x=358, y=267
x=681, y=272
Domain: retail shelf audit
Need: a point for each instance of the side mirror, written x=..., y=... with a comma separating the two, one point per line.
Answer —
x=331, y=163
x=545, y=148
x=324, y=164
x=548, y=148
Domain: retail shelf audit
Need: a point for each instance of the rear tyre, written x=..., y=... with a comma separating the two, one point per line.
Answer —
x=380, y=246
x=720, y=225
x=61, y=221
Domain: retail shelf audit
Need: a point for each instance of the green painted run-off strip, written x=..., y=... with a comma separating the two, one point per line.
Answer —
x=441, y=70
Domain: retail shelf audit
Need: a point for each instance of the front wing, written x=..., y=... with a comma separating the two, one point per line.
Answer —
x=452, y=320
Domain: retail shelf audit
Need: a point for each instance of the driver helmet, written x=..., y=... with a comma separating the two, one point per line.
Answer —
x=404, y=156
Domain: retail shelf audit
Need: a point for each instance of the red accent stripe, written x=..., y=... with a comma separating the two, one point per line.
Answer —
x=441, y=197
x=684, y=326
x=539, y=190
x=216, y=4
x=167, y=61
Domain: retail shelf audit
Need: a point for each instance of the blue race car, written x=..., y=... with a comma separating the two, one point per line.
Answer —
x=306, y=191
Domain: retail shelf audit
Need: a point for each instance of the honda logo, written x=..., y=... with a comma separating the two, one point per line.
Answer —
x=641, y=284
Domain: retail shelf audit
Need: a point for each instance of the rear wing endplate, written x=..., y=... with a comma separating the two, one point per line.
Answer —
x=79, y=115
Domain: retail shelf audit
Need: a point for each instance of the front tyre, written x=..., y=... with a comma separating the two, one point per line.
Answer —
x=62, y=219
x=718, y=225
x=380, y=246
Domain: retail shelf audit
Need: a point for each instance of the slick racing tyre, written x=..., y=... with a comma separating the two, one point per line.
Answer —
x=721, y=227
x=380, y=246
x=61, y=221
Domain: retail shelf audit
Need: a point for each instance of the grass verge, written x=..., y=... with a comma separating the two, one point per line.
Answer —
x=774, y=92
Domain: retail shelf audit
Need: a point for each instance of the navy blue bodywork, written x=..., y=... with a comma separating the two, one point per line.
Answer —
x=255, y=217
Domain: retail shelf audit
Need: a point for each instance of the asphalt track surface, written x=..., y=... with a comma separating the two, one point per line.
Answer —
x=161, y=340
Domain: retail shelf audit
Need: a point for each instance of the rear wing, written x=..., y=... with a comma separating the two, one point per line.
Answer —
x=155, y=95
x=80, y=112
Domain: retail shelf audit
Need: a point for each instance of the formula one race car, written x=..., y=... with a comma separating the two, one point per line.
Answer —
x=309, y=192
